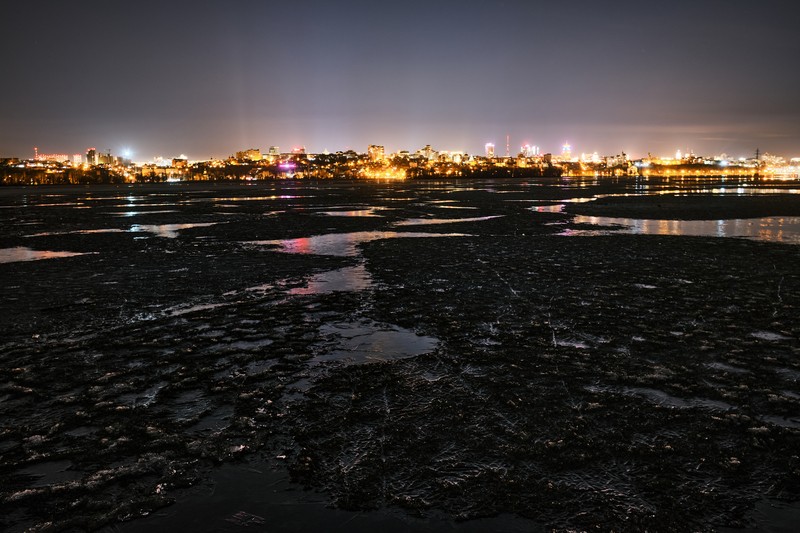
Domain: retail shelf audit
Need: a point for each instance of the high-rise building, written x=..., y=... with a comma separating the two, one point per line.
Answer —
x=274, y=151
x=566, y=151
x=428, y=152
x=376, y=152
x=91, y=156
x=489, y=150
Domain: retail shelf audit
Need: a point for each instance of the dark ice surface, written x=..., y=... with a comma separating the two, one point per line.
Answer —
x=298, y=355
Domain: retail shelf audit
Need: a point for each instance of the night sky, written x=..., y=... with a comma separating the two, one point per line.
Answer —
x=209, y=78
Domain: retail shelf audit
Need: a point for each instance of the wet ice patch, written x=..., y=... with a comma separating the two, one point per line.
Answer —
x=365, y=342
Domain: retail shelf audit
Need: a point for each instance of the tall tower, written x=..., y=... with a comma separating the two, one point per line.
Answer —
x=508, y=145
x=489, y=150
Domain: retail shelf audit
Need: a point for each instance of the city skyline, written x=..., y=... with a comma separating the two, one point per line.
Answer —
x=208, y=80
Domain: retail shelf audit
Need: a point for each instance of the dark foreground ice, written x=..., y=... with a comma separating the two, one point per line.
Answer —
x=245, y=360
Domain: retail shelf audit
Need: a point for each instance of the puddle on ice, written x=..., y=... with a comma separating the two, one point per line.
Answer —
x=50, y=473
x=432, y=221
x=255, y=496
x=572, y=344
x=251, y=345
x=169, y=231
x=20, y=254
x=728, y=368
x=142, y=399
x=217, y=420
x=782, y=421
x=770, y=229
x=77, y=232
x=138, y=213
x=183, y=310
x=355, y=278
x=558, y=208
x=788, y=374
x=365, y=342
x=257, y=367
x=188, y=406
x=352, y=213
x=341, y=244
x=82, y=431
x=769, y=336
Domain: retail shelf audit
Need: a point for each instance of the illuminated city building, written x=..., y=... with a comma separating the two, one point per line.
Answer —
x=489, y=150
x=77, y=159
x=253, y=154
x=91, y=156
x=60, y=158
x=566, y=151
x=590, y=158
x=428, y=153
x=452, y=157
x=274, y=151
x=375, y=152
x=530, y=151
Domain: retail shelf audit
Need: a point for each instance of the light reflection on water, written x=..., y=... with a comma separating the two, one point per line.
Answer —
x=169, y=231
x=20, y=253
x=432, y=221
x=341, y=244
x=365, y=342
x=138, y=213
x=355, y=278
x=770, y=229
x=353, y=213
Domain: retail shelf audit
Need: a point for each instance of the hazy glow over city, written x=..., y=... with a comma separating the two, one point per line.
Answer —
x=207, y=80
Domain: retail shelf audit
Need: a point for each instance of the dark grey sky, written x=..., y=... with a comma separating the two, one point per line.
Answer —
x=207, y=78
